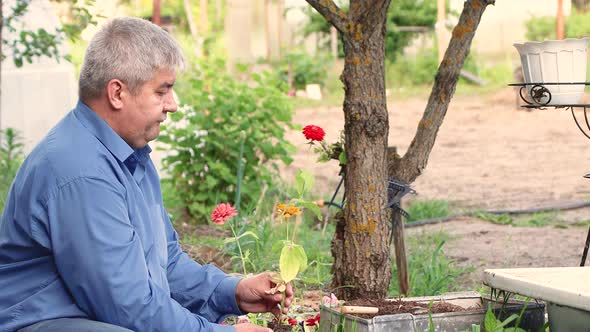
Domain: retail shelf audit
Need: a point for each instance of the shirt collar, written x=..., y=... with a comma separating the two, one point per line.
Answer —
x=107, y=136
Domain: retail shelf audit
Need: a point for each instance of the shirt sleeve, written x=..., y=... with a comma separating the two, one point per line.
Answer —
x=100, y=258
x=202, y=289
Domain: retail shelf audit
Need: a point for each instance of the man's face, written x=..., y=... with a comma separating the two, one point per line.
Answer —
x=144, y=113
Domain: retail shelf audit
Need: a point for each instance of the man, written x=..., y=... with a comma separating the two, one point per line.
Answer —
x=85, y=242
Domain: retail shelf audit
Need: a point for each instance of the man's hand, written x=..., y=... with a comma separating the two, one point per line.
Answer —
x=251, y=295
x=247, y=327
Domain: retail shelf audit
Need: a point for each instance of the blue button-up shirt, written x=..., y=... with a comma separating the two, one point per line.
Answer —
x=84, y=234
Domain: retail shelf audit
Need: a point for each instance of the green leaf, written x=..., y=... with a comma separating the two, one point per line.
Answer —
x=342, y=158
x=304, y=181
x=507, y=321
x=313, y=208
x=490, y=321
x=292, y=261
x=234, y=239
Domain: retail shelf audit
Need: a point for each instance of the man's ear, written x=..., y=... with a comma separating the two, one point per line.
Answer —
x=116, y=91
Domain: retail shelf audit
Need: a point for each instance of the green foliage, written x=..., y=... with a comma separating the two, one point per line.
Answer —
x=492, y=324
x=400, y=13
x=540, y=28
x=431, y=273
x=204, y=137
x=306, y=69
x=422, y=68
x=27, y=45
x=407, y=13
x=11, y=157
x=417, y=70
x=263, y=252
x=420, y=210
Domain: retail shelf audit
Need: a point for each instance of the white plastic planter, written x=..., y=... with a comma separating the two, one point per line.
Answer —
x=555, y=61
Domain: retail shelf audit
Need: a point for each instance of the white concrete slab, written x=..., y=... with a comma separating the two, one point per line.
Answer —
x=566, y=286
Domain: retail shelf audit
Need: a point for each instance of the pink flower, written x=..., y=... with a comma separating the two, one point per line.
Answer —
x=314, y=133
x=330, y=300
x=313, y=321
x=222, y=213
x=243, y=319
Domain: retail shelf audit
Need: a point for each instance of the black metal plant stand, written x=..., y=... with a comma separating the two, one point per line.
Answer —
x=395, y=191
x=540, y=97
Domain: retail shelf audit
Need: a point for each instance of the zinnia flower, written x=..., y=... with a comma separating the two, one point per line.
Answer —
x=287, y=211
x=222, y=213
x=313, y=321
x=314, y=133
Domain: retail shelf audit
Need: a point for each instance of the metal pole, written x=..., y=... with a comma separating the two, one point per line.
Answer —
x=156, y=13
x=585, y=253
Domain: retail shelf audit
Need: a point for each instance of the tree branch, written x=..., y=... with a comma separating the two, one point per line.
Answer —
x=330, y=11
x=369, y=12
x=411, y=165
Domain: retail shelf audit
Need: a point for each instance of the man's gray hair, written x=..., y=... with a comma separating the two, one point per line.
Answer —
x=128, y=49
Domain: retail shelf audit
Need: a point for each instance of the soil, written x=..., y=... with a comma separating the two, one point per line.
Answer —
x=392, y=307
x=276, y=327
x=488, y=154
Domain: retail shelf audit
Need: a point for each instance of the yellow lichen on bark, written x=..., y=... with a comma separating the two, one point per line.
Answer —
x=368, y=228
x=477, y=5
x=461, y=30
x=424, y=123
x=358, y=35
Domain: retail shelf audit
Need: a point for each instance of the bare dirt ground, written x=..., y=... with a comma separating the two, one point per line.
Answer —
x=488, y=155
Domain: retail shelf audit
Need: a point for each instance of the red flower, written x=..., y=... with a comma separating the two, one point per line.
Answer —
x=291, y=321
x=222, y=213
x=314, y=133
x=313, y=321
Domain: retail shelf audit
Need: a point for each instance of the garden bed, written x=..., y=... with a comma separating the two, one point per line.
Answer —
x=467, y=309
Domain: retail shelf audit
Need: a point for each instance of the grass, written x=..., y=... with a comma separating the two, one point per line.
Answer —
x=527, y=220
x=420, y=210
x=430, y=271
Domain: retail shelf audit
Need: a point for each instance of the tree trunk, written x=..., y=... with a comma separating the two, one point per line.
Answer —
x=364, y=260
x=581, y=5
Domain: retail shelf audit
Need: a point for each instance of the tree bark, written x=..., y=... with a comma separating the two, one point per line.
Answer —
x=362, y=261
x=411, y=165
x=361, y=243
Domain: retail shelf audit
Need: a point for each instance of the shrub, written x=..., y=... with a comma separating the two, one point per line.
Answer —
x=540, y=28
x=307, y=69
x=11, y=157
x=227, y=138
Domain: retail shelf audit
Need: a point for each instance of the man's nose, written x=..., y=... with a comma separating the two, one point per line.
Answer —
x=171, y=102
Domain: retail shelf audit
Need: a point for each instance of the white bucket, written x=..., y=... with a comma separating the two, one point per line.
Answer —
x=555, y=61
